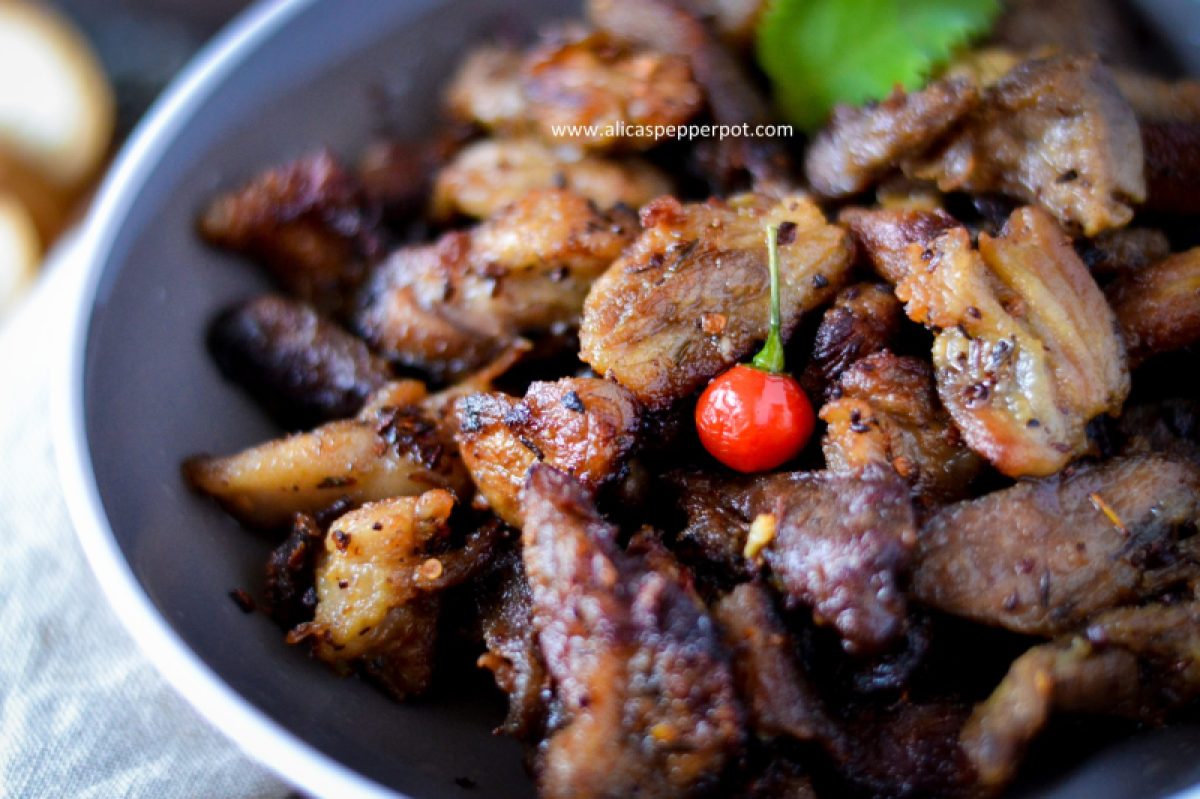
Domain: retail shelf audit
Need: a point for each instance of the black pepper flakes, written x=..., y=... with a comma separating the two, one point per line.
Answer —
x=572, y=402
x=341, y=540
x=786, y=234
x=819, y=281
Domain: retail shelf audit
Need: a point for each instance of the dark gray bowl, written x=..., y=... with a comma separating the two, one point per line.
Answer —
x=139, y=393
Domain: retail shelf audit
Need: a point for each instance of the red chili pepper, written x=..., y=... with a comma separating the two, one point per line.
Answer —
x=754, y=416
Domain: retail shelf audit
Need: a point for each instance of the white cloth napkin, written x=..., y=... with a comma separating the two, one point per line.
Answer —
x=82, y=713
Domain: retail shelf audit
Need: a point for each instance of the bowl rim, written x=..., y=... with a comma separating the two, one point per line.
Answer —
x=262, y=738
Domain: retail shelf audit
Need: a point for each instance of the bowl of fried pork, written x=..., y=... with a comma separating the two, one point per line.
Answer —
x=378, y=423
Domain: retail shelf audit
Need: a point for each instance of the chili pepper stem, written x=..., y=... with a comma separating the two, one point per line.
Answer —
x=770, y=357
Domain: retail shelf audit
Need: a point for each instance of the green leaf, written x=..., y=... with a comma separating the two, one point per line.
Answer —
x=819, y=53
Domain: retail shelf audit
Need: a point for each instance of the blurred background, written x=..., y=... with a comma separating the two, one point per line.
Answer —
x=75, y=77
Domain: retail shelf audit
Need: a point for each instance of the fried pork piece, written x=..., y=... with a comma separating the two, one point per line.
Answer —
x=886, y=412
x=1158, y=308
x=506, y=616
x=451, y=306
x=392, y=448
x=779, y=697
x=690, y=296
x=1078, y=27
x=583, y=426
x=1135, y=662
x=646, y=688
x=302, y=368
x=1172, y=166
x=291, y=573
x=1043, y=556
x=596, y=82
x=490, y=174
x=1124, y=251
x=605, y=91
x=308, y=223
x=862, y=144
x=1055, y=132
x=732, y=94
x=373, y=609
x=835, y=543
x=885, y=236
x=487, y=90
x=1153, y=98
x=1027, y=350
x=864, y=319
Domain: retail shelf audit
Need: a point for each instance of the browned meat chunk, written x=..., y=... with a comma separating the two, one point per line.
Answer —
x=582, y=426
x=1056, y=132
x=1158, y=100
x=451, y=306
x=885, y=236
x=616, y=94
x=506, y=616
x=779, y=697
x=1043, y=556
x=1136, y=662
x=645, y=685
x=1158, y=308
x=1170, y=427
x=392, y=448
x=581, y=88
x=1027, y=350
x=835, y=543
x=1172, y=165
x=301, y=368
x=372, y=610
x=1080, y=27
x=493, y=173
x=733, y=96
x=690, y=296
x=487, y=90
x=291, y=572
x=1124, y=251
x=861, y=145
x=840, y=545
x=863, y=319
x=886, y=413
x=307, y=222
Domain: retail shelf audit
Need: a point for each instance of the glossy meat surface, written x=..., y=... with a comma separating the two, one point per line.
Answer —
x=492, y=173
x=864, y=319
x=451, y=306
x=301, y=367
x=1043, y=556
x=690, y=296
x=581, y=426
x=1158, y=308
x=646, y=686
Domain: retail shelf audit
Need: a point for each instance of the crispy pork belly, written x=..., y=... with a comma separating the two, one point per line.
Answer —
x=582, y=426
x=646, y=688
x=1158, y=308
x=864, y=318
x=886, y=413
x=1135, y=662
x=1027, y=349
x=689, y=297
x=302, y=368
x=1043, y=556
x=577, y=87
x=451, y=306
x=835, y=543
x=373, y=611
x=493, y=173
x=779, y=697
x=308, y=223
x=885, y=235
x=392, y=448
x=732, y=94
x=862, y=144
x=506, y=617
x=1123, y=251
x=1055, y=132
x=614, y=92
x=487, y=91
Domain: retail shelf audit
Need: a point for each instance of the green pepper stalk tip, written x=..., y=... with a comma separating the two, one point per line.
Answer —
x=770, y=357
